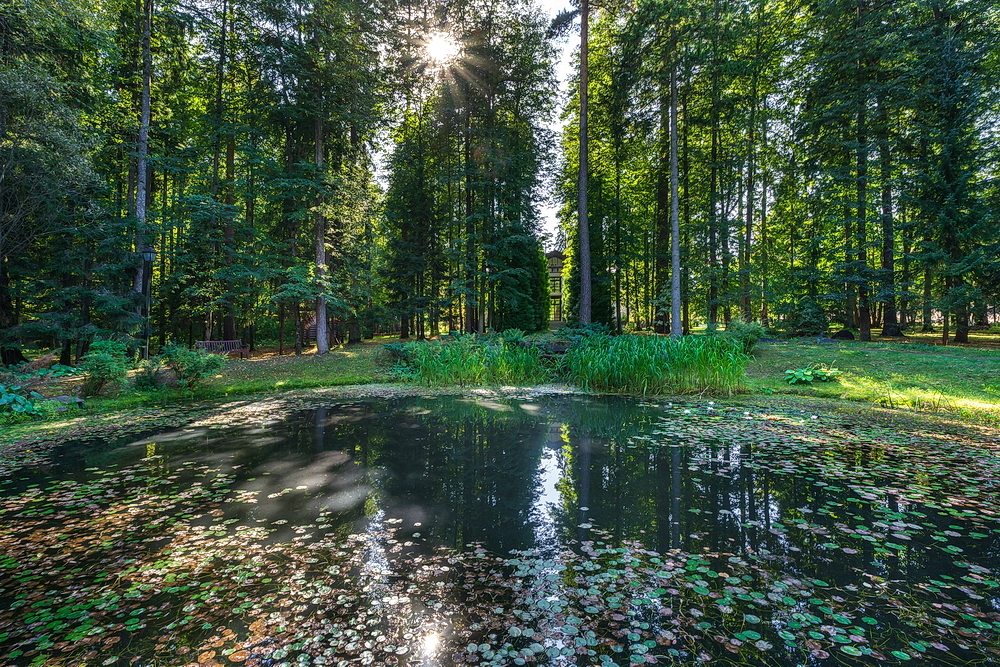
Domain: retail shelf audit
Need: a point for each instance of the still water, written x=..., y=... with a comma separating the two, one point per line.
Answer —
x=781, y=538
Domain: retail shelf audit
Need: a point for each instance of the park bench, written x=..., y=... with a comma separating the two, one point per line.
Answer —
x=223, y=347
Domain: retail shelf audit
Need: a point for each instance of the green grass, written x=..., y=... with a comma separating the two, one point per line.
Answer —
x=958, y=380
x=357, y=364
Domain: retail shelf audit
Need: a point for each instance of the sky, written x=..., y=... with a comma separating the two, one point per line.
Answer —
x=566, y=45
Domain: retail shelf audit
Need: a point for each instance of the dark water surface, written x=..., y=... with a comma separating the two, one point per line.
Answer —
x=644, y=532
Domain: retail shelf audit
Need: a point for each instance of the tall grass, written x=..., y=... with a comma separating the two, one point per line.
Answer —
x=470, y=360
x=658, y=365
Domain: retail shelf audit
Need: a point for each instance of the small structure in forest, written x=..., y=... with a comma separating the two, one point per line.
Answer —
x=555, y=259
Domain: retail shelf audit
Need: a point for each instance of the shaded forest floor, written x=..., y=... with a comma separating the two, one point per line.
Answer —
x=951, y=383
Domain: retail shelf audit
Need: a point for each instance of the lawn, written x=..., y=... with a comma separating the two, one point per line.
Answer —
x=910, y=376
x=240, y=382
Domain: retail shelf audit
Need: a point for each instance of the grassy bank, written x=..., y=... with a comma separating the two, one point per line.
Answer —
x=961, y=383
x=265, y=373
x=909, y=376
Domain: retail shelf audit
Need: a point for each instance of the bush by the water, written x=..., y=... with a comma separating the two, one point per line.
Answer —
x=149, y=375
x=191, y=366
x=470, y=359
x=657, y=364
x=105, y=365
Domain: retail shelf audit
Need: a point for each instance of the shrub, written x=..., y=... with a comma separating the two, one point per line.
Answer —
x=398, y=351
x=807, y=318
x=191, y=366
x=745, y=333
x=149, y=376
x=578, y=330
x=105, y=366
x=657, y=364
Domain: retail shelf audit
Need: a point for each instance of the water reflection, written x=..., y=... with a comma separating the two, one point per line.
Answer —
x=394, y=478
x=537, y=475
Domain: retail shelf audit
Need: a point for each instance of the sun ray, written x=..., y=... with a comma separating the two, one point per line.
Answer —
x=441, y=48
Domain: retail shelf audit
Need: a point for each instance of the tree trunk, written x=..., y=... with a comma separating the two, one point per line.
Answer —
x=861, y=252
x=583, y=236
x=142, y=145
x=298, y=328
x=905, y=318
x=850, y=320
x=322, y=334
x=8, y=318
x=961, y=311
x=890, y=323
x=470, y=229
x=281, y=329
x=927, y=325
x=675, y=232
x=713, y=215
x=229, y=234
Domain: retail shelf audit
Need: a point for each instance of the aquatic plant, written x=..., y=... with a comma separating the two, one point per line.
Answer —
x=471, y=359
x=658, y=364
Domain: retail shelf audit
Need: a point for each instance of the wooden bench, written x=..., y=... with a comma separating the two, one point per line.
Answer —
x=223, y=347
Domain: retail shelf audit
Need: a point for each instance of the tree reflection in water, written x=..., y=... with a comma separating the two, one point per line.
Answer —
x=385, y=528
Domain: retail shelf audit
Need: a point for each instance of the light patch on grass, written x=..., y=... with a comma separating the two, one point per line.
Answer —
x=904, y=376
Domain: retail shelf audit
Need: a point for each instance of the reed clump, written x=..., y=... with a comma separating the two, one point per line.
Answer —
x=658, y=364
x=615, y=364
x=477, y=360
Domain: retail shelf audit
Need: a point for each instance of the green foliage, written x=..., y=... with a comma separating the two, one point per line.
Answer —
x=657, y=365
x=745, y=333
x=809, y=374
x=191, y=366
x=54, y=371
x=105, y=366
x=807, y=318
x=57, y=371
x=15, y=402
x=398, y=351
x=473, y=359
x=576, y=332
x=512, y=336
x=149, y=376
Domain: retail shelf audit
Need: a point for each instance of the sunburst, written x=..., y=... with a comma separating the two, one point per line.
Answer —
x=441, y=48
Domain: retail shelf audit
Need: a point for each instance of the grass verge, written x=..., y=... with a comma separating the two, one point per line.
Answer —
x=262, y=375
x=952, y=382
x=963, y=381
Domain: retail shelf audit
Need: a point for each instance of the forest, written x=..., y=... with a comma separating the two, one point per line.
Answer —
x=217, y=170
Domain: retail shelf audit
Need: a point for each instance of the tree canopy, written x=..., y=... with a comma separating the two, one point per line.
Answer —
x=352, y=167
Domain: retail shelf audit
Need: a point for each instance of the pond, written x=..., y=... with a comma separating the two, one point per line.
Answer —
x=549, y=530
